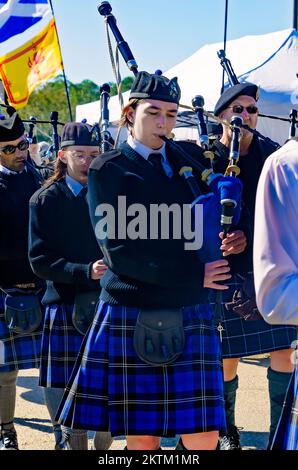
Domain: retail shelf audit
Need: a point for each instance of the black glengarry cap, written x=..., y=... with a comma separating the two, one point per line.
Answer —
x=78, y=133
x=155, y=87
x=11, y=127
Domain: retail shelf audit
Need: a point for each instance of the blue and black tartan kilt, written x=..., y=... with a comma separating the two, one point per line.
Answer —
x=18, y=351
x=60, y=346
x=286, y=436
x=241, y=338
x=111, y=388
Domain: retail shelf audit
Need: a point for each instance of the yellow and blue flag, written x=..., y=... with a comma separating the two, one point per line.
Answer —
x=29, y=47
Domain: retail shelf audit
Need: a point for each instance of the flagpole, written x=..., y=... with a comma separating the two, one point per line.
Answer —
x=63, y=71
x=3, y=95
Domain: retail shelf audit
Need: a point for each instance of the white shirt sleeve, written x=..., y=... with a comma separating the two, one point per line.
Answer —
x=276, y=237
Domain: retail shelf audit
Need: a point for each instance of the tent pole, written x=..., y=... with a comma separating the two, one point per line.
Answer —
x=225, y=44
x=295, y=14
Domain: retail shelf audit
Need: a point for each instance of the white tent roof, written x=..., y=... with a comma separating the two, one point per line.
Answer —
x=269, y=60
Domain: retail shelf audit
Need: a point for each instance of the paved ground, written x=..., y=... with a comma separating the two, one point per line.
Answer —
x=252, y=411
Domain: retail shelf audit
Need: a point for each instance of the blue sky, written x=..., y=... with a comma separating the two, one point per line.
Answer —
x=160, y=33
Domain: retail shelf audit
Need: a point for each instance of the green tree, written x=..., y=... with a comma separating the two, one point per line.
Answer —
x=126, y=85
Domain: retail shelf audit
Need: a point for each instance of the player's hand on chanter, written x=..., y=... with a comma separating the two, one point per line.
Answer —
x=217, y=271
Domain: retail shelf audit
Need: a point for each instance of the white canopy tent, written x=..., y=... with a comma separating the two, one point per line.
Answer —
x=269, y=60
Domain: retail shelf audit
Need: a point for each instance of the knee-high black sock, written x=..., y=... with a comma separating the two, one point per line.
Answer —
x=230, y=389
x=8, y=386
x=278, y=384
x=102, y=440
x=180, y=445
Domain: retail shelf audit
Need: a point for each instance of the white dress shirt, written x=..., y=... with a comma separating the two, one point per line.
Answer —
x=276, y=237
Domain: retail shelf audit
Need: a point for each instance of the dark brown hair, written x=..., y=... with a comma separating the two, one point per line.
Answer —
x=124, y=121
x=59, y=172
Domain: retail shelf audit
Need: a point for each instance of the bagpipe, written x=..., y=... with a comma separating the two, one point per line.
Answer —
x=101, y=128
x=222, y=202
x=244, y=298
x=105, y=135
x=52, y=152
x=32, y=122
x=30, y=137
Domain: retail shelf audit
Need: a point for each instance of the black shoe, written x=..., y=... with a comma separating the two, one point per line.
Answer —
x=8, y=440
x=180, y=445
x=230, y=440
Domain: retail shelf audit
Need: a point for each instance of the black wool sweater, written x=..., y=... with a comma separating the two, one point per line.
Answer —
x=15, y=192
x=62, y=245
x=144, y=273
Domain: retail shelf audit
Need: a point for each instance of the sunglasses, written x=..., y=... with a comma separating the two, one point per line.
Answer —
x=238, y=109
x=10, y=149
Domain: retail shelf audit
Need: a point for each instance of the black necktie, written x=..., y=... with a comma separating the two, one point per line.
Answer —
x=83, y=193
x=156, y=161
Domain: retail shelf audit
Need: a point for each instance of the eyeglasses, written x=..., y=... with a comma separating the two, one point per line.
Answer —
x=10, y=149
x=83, y=155
x=238, y=109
